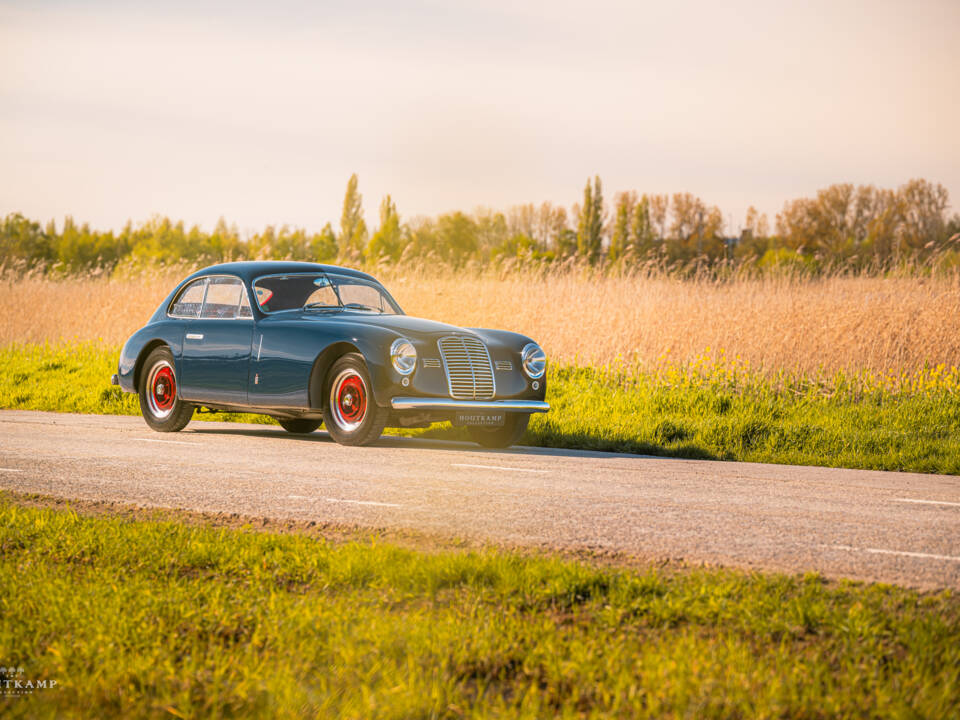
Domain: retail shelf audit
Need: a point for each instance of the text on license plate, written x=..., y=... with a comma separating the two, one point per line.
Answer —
x=480, y=419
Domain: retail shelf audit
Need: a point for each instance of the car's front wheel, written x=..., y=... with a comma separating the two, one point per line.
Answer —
x=513, y=428
x=298, y=426
x=351, y=414
x=160, y=401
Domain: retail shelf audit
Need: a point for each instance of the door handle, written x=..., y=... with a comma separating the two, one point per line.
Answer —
x=194, y=336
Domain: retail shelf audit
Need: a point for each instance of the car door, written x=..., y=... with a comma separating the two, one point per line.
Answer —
x=215, y=364
x=283, y=353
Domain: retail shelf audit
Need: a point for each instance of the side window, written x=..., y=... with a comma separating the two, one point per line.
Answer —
x=223, y=299
x=323, y=296
x=245, y=311
x=364, y=295
x=189, y=301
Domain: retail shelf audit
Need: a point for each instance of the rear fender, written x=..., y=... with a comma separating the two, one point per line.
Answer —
x=140, y=345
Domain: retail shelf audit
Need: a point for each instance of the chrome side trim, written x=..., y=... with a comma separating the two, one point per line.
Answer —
x=194, y=336
x=414, y=403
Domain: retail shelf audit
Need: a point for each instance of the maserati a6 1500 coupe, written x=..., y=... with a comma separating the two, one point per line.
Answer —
x=308, y=343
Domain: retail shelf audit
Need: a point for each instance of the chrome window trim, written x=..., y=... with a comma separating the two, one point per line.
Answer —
x=374, y=281
x=206, y=284
x=180, y=293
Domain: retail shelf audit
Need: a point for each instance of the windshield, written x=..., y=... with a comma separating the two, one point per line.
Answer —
x=322, y=292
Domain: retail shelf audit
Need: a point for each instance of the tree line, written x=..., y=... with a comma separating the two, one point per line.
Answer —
x=841, y=226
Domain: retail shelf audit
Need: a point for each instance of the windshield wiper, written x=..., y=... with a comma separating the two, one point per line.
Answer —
x=322, y=306
x=361, y=306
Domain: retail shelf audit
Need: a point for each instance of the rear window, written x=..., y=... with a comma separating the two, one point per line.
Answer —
x=190, y=300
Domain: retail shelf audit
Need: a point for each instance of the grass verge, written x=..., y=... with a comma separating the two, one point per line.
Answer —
x=151, y=618
x=719, y=410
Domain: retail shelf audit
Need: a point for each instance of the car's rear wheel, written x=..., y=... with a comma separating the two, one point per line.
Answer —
x=513, y=428
x=351, y=414
x=298, y=426
x=160, y=401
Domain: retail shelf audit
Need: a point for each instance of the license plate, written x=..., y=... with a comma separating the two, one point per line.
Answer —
x=479, y=419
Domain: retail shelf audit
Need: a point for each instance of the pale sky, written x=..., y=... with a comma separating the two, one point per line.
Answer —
x=259, y=112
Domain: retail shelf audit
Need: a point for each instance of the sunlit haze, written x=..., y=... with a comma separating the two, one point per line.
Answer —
x=117, y=111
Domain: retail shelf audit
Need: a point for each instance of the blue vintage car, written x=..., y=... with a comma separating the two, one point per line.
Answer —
x=308, y=343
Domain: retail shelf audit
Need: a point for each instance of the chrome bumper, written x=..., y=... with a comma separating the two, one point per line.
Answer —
x=412, y=403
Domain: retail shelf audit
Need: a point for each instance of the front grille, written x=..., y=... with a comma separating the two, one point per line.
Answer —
x=469, y=373
x=431, y=362
x=503, y=365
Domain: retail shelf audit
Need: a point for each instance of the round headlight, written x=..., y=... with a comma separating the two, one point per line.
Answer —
x=403, y=355
x=534, y=360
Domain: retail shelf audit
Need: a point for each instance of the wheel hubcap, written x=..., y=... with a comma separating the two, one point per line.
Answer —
x=161, y=389
x=348, y=400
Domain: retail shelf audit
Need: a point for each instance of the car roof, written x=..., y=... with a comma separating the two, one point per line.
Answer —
x=251, y=269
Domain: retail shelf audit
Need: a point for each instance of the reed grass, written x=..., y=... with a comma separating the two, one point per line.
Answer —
x=645, y=320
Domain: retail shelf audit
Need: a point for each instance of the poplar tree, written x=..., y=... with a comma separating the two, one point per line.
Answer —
x=642, y=234
x=623, y=217
x=386, y=241
x=590, y=226
x=353, y=229
x=323, y=245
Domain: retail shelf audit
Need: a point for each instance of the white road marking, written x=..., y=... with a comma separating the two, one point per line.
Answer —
x=169, y=442
x=10, y=470
x=361, y=502
x=298, y=497
x=902, y=553
x=499, y=467
x=927, y=502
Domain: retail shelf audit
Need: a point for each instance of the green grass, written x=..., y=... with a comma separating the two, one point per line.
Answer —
x=151, y=618
x=719, y=410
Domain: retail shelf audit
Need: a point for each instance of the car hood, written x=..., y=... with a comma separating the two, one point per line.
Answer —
x=402, y=324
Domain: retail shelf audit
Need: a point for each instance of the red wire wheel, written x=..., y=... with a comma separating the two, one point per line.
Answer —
x=160, y=401
x=349, y=396
x=162, y=389
x=350, y=413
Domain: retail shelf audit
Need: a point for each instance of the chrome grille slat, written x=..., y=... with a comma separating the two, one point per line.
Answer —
x=468, y=368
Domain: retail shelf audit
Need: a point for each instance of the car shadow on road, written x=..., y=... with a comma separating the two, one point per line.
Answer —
x=642, y=450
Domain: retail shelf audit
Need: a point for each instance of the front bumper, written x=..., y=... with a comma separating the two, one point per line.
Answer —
x=449, y=404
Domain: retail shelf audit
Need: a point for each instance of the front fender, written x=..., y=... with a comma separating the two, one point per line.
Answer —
x=506, y=345
x=374, y=345
x=292, y=357
x=503, y=338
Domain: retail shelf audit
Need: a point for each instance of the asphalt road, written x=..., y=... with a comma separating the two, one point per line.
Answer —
x=892, y=527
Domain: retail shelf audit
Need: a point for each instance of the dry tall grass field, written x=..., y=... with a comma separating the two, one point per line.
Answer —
x=883, y=325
